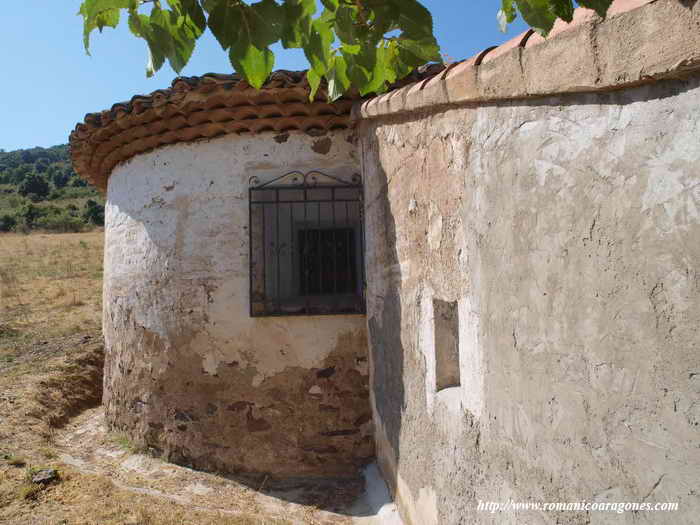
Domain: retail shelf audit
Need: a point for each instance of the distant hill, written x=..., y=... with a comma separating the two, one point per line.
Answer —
x=54, y=163
x=39, y=190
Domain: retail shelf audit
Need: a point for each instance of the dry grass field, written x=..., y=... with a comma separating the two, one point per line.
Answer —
x=50, y=286
x=51, y=358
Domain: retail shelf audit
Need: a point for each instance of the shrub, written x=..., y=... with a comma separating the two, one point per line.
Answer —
x=28, y=213
x=34, y=197
x=77, y=182
x=7, y=223
x=60, y=222
x=15, y=201
x=94, y=213
x=76, y=192
x=55, y=195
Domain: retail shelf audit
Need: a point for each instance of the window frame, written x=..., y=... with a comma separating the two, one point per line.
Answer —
x=271, y=305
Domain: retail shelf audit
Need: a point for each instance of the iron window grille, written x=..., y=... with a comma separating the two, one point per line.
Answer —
x=306, y=245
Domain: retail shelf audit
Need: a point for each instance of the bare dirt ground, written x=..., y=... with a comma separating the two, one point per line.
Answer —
x=51, y=358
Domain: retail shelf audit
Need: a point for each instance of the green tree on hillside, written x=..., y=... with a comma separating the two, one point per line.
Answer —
x=61, y=176
x=73, y=207
x=41, y=165
x=18, y=174
x=34, y=184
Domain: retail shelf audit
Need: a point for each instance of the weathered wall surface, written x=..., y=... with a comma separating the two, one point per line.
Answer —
x=189, y=372
x=567, y=229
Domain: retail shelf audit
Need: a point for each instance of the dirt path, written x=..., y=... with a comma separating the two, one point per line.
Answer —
x=84, y=445
x=50, y=418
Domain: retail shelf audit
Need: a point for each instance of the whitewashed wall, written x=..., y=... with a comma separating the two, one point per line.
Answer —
x=189, y=372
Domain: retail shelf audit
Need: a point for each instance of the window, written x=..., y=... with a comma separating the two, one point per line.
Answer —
x=446, y=316
x=306, y=246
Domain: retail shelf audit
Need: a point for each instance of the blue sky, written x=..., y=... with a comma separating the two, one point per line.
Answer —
x=50, y=83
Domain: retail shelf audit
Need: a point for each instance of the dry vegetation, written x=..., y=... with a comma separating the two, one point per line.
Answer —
x=50, y=286
x=51, y=358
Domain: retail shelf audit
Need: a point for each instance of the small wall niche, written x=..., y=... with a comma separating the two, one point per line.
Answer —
x=446, y=316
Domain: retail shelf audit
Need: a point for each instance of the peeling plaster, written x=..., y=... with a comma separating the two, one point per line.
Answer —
x=189, y=372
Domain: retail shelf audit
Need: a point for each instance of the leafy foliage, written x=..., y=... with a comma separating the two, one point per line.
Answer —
x=541, y=14
x=365, y=44
x=361, y=44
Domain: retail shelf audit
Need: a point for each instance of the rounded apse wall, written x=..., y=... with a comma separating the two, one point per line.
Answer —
x=189, y=374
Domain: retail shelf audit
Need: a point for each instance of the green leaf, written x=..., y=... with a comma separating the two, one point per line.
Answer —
x=367, y=70
x=418, y=52
x=98, y=14
x=378, y=78
x=249, y=53
x=318, y=47
x=297, y=22
x=414, y=19
x=332, y=5
x=351, y=49
x=154, y=61
x=599, y=6
x=253, y=63
x=358, y=74
x=173, y=36
x=136, y=24
x=159, y=39
x=140, y=26
x=314, y=81
x=224, y=22
x=400, y=68
x=537, y=14
x=564, y=9
x=191, y=9
x=385, y=18
x=506, y=14
x=345, y=24
x=91, y=8
x=265, y=20
x=338, y=80
x=210, y=5
x=509, y=10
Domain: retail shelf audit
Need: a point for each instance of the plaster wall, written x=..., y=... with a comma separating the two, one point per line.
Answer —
x=567, y=229
x=189, y=373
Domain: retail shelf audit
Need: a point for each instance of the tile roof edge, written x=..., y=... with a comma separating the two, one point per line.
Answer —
x=631, y=46
x=203, y=107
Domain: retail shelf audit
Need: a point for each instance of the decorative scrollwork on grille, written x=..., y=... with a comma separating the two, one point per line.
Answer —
x=310, y=179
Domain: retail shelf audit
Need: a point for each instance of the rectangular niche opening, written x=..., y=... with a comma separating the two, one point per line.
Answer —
x=446, y=319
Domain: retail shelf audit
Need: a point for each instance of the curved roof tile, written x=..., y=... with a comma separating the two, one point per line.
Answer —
x=205, y=107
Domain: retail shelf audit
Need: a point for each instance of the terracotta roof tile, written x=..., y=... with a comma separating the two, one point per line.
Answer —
x=518, y=41
x=206, y=107
x=622, y=6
